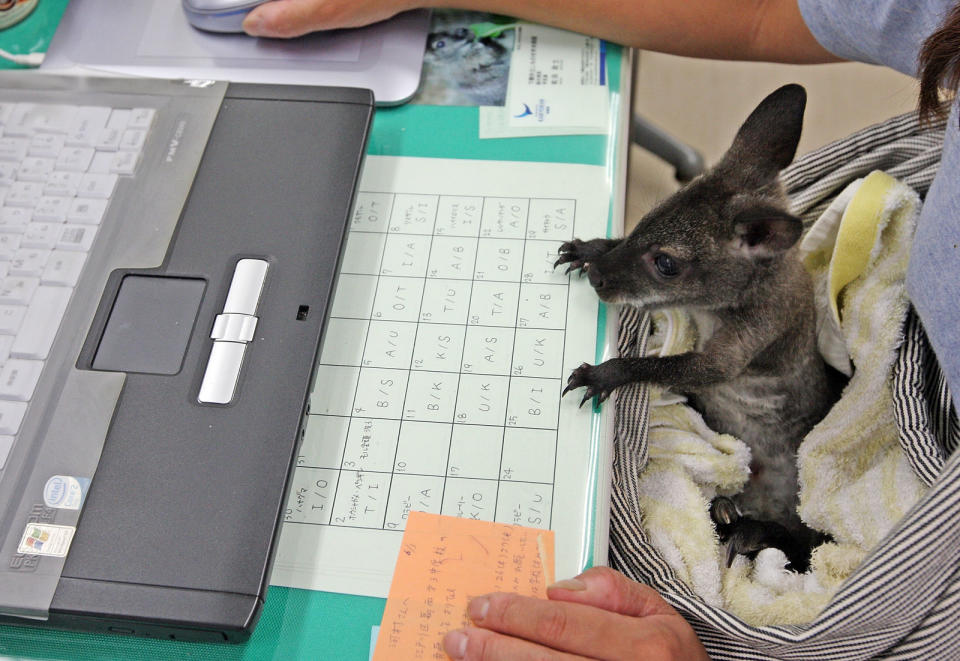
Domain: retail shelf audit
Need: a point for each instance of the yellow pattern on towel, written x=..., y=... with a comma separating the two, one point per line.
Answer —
x=855, y=481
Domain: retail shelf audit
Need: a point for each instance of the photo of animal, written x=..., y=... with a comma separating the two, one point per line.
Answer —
x=461, y=69
x=724, y=249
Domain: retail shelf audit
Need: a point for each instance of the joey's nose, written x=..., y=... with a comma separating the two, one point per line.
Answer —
x=596, y=277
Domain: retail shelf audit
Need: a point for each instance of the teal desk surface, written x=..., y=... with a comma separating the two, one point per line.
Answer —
x=302, y=624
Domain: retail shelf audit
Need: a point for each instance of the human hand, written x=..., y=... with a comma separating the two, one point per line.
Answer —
x=601, y=614
x=292, y=18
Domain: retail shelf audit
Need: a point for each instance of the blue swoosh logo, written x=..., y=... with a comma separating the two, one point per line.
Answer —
x=526, y=111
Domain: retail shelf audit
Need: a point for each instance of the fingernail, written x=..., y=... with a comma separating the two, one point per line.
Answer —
x=252, y=25
x=574, y=584
x=477, y=609
x=455, y=644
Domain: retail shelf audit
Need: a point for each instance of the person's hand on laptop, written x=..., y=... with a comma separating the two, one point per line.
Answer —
x=293, y=18
x=601, y=614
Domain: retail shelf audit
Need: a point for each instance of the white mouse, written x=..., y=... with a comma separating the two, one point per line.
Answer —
x=219, y=15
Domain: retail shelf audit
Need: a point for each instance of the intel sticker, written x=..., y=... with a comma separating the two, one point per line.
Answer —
x=65, y=492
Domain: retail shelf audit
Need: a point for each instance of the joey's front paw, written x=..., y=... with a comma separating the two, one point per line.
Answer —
x=578, y=254
x=599, y=380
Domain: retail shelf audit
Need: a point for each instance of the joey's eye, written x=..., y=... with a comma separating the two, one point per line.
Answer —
x=666, y=265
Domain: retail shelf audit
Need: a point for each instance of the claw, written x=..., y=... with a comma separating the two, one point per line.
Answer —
x=731, y=554
x=586, y=397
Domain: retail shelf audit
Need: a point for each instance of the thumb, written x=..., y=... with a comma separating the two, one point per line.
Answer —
x=610, y=590
x=284, y=18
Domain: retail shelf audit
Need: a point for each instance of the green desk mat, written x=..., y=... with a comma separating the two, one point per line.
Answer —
x=303, y=624
x=32, y=34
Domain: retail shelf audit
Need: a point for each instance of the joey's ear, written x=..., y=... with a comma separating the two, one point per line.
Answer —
x=764, y=232
x=767, y=141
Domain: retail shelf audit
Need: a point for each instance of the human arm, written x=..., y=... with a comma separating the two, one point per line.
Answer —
x=599, y=615
x=768, y=30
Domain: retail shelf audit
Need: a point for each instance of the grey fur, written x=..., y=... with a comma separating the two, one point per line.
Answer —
x=756, y=372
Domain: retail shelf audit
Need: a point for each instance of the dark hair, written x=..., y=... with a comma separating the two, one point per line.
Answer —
x=940, y=66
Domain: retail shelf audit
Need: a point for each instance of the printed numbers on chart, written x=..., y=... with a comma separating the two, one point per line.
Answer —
x=442, y=368
x=551, y=219
x=371, y=212
x=413, y=214
x=310, y=495
x=504, y=218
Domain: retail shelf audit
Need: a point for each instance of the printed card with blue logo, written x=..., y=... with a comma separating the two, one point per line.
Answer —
x=557, y=79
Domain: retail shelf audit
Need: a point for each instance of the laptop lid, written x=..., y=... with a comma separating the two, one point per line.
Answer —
x=177, y=531
x=154, y=38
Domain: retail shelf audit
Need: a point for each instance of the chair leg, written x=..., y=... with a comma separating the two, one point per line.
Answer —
x=686, y=160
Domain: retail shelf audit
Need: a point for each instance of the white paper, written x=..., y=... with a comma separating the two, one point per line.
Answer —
x=450, y=339
x=556, y=80
x=495, y=123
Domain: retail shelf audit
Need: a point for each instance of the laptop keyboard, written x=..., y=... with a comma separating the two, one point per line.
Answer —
x=59, y=167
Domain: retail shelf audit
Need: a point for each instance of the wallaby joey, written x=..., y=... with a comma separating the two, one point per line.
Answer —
x=724, y=249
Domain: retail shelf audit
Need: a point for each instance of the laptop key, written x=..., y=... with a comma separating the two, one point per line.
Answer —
x=63, y=184
x=9, y=244
x=46, y=145
x=35, y=168
x=141, y=118
x=24, y=194
x=15, y=220
x=76, y=237
x=102, y=162
x=8, y=174
x=97, y=186
x=41, y=323
x=63, y=268
x=29, y=261
x=11, y=318
x=18, y=379
x=11, y=415
x=51, y=209
x=41, y=235
x=17, y=290
x=86, y=212
x=74, y=159
x=13, y=148
x=6, y=444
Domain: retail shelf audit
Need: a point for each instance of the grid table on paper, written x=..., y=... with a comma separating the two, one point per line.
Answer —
x=439, y=382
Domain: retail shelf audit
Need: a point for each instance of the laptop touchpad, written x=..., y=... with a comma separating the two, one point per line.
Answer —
x=150, y=325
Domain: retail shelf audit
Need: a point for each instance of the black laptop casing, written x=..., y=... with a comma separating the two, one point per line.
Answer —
x=183, y=516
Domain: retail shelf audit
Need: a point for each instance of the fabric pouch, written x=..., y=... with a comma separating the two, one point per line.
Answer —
x=878, y=473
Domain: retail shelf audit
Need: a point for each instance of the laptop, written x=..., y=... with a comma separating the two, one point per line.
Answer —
x=154, y=38
x=168, y=251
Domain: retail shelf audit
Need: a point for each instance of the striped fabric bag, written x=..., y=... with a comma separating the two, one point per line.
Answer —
x=903, y=601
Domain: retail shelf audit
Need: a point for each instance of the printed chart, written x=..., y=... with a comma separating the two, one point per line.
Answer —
x=438, y=388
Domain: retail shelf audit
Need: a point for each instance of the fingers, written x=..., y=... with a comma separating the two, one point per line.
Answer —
x=565, y=627
x=293, y=18
x=599, y=615
x=610, y=590
x=284, y=18
x=474, y=644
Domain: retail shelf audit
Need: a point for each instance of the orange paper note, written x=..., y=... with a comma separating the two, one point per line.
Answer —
x=445, y=561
